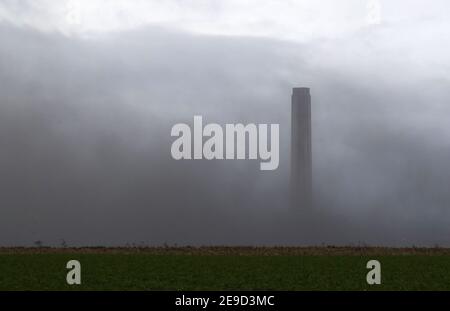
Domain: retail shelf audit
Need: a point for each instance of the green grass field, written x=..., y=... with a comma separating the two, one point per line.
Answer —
x=224, y=269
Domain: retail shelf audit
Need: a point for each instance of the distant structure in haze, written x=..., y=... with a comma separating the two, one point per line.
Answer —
x=301, y=160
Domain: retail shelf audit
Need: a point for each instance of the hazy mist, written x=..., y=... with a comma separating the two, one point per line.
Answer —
x=85, y=137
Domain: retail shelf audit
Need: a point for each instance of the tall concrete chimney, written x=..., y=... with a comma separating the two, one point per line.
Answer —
x=301, y=160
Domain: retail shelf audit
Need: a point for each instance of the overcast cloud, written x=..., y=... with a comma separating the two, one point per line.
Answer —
x=89, y=92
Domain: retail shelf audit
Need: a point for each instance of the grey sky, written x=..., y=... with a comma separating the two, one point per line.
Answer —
x=87, y=100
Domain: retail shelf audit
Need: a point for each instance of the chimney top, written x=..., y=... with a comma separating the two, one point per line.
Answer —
x=300, y=91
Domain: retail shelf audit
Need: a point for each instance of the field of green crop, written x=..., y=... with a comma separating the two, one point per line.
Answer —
x=270, y=269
